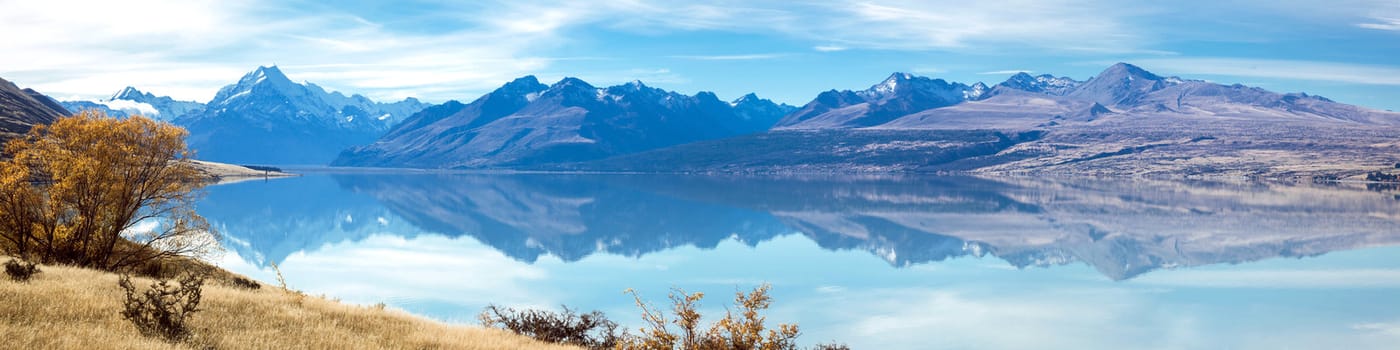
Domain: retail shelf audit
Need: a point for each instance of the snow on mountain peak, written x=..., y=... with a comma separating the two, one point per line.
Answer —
x=129, y=93
x=891, y=83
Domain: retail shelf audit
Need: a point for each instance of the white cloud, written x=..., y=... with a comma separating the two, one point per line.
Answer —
x=1382, y=23
x=748, y=57
x=189, y=49
x=1280, y=69
x=960, y=25
x=1391, y=329
x=130, y=106
x=1005, y=72
x=384, y=268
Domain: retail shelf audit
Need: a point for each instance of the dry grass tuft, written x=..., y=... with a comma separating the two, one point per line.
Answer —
x=73, y=308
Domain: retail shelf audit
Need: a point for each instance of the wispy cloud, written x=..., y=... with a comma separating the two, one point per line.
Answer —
x=189, y=49
x=929, y=70
x=1382, y=23
x=1005, y=72
x=748, y=57
x=442, y=50
x=1278, y=69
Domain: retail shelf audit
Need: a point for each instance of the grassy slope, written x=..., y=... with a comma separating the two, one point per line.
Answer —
x=72, y=308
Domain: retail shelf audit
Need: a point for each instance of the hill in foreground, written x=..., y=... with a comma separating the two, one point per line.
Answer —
x=72, y=308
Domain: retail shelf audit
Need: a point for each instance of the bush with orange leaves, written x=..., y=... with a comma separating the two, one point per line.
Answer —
x=744, y=330
x=98, y=192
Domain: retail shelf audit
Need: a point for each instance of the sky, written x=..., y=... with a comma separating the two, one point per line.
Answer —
x=788, y=51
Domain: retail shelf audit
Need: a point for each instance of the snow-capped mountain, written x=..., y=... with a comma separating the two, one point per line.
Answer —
x=266, y=118
x=1044, y=83
x=130, y=101
x=526, y=122
x=21, y=109
x=1125, y=120
x=165, y=108
x=899, y=95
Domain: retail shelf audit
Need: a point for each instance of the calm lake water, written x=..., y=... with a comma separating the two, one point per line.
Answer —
x=874, y=262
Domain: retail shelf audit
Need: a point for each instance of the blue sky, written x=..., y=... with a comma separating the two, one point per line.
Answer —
x=785, y=50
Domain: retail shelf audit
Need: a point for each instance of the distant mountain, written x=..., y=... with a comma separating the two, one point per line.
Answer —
x=899, y=95
x=1044, y=83
x=21, y=109
x=83, y=105
x=525, y=122
x=265, y=118
x=757, y=114
x=130, y=101
x=1123, y=121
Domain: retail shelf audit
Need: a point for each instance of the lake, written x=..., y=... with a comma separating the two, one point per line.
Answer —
x=876, y=262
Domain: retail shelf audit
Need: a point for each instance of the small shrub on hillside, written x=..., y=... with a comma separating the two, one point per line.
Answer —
x=591, y=330
x=163, y=310
x=831, y=346
x=245, y=283
x=21, y=271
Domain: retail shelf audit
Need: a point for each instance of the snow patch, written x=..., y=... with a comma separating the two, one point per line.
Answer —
x=132, y=107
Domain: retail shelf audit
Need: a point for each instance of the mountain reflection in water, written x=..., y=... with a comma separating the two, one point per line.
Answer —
x=1122, y=228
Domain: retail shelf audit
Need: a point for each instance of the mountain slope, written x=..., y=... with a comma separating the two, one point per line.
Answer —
x=21, y=109
x=525, y=122
x=265, y=118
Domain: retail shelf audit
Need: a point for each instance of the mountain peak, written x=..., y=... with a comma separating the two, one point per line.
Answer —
x=523, y=85
x=1129, y=71
x=1043, y=83
x=571, y=82
x=749, y=97
x=270, y=74
x=128, y=93
x=892, y=83
x=528, y=80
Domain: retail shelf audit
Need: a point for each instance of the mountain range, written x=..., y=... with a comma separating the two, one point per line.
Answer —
x=1125, y=120
x=130, y=101
x=525, y=122
x=265, y=118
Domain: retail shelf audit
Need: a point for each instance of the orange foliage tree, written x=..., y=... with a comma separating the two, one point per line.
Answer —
x=100, y=192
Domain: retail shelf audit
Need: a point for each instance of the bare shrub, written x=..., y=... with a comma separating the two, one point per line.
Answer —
x=163, y=309
x=244, y=283
x=592, y=330
x=831, y=346
x=744, y=330
x=21, y=271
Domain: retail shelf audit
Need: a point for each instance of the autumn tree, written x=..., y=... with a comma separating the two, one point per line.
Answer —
x=99, y=192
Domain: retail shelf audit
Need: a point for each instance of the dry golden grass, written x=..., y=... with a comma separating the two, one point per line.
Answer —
x=72, y=308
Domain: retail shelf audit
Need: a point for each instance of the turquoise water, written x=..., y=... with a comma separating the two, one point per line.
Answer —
x=874, y=262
